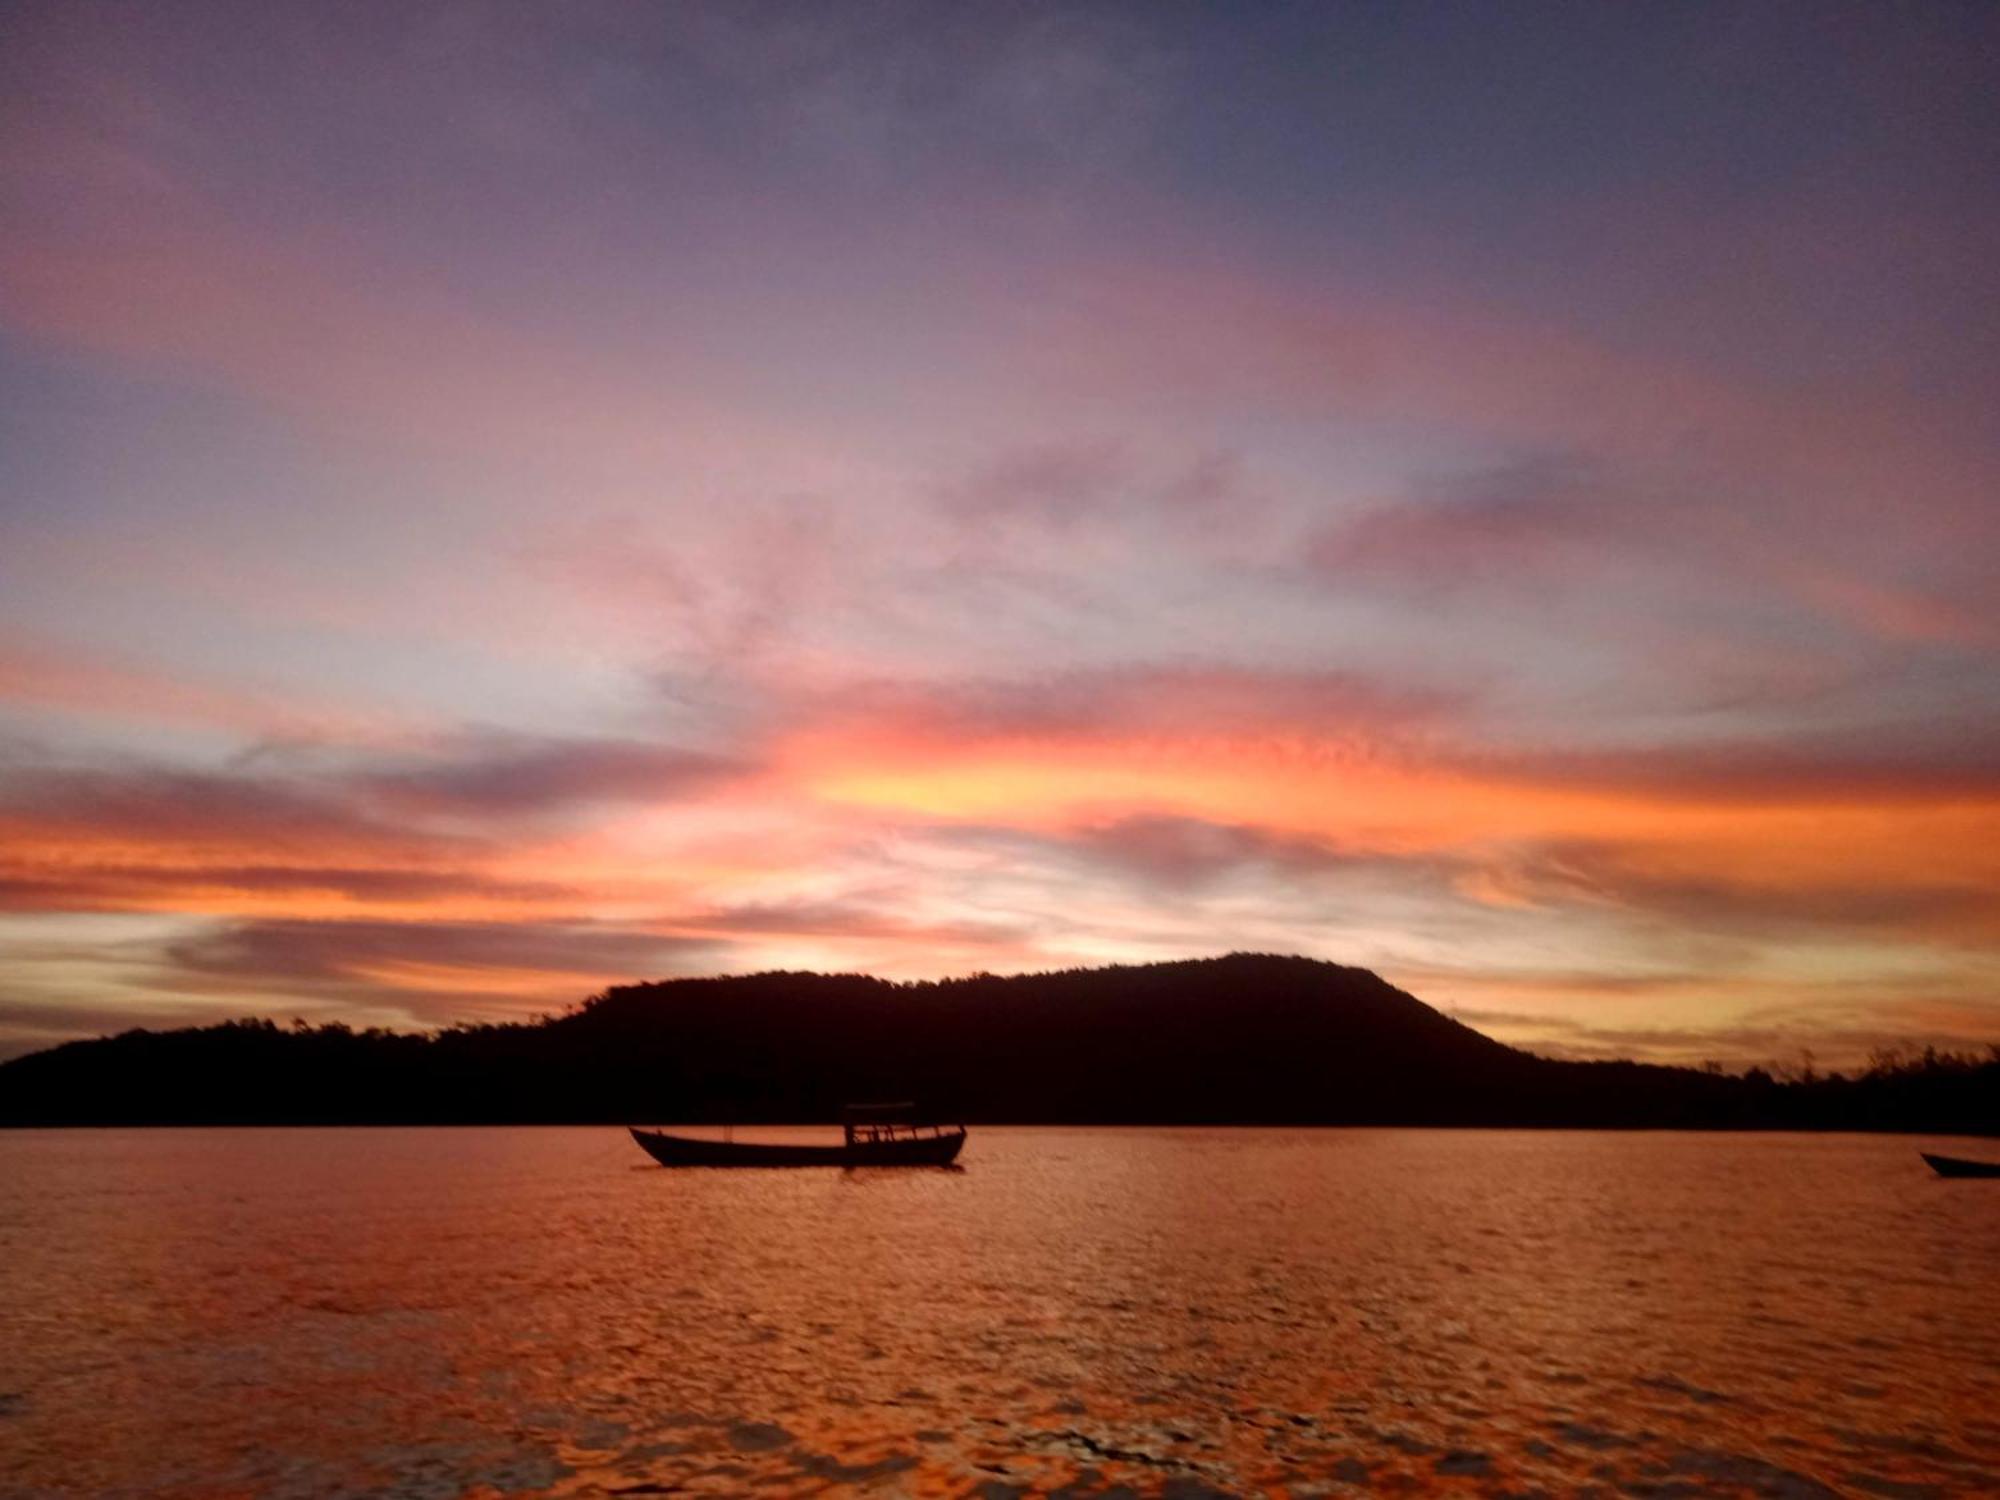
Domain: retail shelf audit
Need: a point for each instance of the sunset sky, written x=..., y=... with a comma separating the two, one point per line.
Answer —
x=498, y=501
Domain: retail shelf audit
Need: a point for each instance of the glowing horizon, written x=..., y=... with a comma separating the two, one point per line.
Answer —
x=497, y=504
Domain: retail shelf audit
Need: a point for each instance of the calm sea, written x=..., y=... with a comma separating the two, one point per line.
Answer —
x=1084, y=1312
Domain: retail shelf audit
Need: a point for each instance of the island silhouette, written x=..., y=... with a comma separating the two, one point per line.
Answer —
x=1245, y=1039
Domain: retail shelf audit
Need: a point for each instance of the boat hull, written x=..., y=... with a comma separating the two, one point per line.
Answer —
x=1958, y=1166
x=908, y=1151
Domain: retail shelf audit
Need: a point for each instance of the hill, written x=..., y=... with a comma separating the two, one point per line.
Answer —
x=1243, y=1039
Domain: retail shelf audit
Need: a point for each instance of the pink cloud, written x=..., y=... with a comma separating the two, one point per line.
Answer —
x=122, y=690
x=1274, y=342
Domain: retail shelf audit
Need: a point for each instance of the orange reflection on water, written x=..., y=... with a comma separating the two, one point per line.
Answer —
x=1184, y=1313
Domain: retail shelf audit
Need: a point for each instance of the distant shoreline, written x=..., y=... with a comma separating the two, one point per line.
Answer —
x=618, y=1125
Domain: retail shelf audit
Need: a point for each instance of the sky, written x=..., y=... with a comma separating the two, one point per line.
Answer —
x=502, y=500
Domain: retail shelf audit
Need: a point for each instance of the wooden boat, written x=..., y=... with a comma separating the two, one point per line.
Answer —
x=1958, y=1166
x=872, y=1135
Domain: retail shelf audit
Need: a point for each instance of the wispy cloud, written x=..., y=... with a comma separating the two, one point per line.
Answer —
x=466, y=965
x=504, y=774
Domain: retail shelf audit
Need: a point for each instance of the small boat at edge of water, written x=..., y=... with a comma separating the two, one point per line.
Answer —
x=872, y=1135
x=1958, y=1166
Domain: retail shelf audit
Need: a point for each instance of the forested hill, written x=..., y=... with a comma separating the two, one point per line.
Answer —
x=1243, y=1039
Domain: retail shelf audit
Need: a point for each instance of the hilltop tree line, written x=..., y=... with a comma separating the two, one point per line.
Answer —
x=1245, y=1039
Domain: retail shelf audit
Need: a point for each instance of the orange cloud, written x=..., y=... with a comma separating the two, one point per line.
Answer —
x=1379, y=801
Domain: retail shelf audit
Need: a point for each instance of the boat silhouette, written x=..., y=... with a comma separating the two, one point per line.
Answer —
x=872, y=1135
x=1958, y=1166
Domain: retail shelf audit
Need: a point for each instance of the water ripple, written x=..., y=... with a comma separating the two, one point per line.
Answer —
x=1079, y=1313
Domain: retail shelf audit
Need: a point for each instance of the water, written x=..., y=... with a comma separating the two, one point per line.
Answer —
x=499, y=1312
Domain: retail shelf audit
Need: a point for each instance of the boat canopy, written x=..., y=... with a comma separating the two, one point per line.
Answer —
x=865, y=1124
